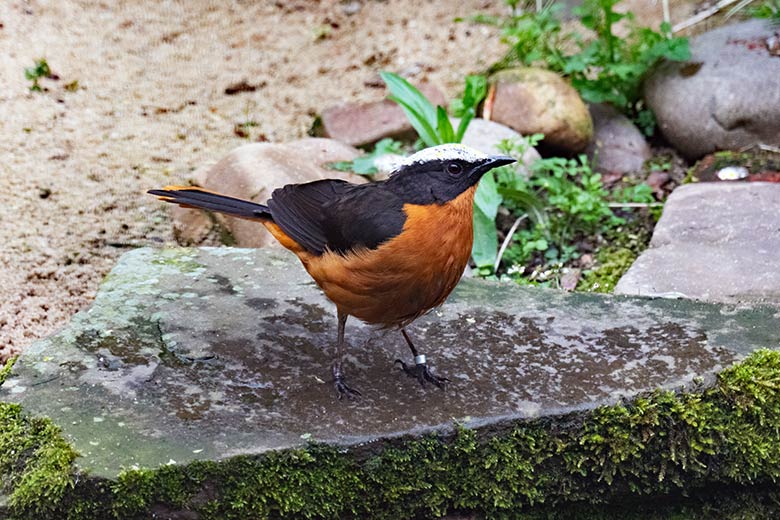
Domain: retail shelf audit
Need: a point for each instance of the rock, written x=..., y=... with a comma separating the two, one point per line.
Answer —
x=531, y=100
x=657, y=180
x=618, y=147
x=485, y=136
x=223, y=355
x=360, y=124
x=716, y=242
x=726, y=97
x=252, y=172
x=191, y=226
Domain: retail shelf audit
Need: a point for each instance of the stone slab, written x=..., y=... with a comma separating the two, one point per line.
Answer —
x=717, y=242
x=207, y=353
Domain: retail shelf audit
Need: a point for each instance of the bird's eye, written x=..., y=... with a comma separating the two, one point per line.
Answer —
x=454, y=168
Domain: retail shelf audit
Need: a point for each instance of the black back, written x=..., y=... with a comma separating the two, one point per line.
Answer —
x=336, y=215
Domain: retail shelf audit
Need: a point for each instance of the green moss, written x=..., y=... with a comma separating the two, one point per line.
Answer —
x=623, y=247
x=611, y=264
x=6, y=370
x=35, y=462
x=596, y=463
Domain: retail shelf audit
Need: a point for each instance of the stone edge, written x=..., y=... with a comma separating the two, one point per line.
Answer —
x=657, y=444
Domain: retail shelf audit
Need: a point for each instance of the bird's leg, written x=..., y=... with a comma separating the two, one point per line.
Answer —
x=420, y=370
x=338, y=372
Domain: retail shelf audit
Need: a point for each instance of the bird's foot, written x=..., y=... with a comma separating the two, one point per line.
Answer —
x=422, y=373
x=339, y=381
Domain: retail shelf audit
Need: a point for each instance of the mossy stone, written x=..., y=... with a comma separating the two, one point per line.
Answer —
x=192, y=389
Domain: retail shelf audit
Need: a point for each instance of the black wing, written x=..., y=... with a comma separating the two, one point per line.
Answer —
x=336, y=215
x=364, y=217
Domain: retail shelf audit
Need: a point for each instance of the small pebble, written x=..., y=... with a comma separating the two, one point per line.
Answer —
x=733, y=173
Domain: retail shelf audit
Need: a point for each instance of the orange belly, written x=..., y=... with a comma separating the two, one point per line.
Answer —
x=407, y=275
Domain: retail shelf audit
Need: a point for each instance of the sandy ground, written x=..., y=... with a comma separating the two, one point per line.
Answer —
x=151, y=107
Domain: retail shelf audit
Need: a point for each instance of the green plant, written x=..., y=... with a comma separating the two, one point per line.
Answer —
x=431, y=123
x=769, y=9
x=567, y=206
x=576, y=203
x=39, y=70
x=623, y=245
x=434, y=128
x=604, y=68
x=489, y=198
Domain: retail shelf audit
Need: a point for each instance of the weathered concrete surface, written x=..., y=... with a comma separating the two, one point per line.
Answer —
x=718, y=242
x=206, y=353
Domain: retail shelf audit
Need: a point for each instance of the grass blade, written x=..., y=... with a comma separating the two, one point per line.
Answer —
x=444, y=127
x=402, y=89
x=421, y=125
x=464, y=123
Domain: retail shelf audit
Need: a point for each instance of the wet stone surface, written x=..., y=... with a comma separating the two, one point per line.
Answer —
x=207, y=353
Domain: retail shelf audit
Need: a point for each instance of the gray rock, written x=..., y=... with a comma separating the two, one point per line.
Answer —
x=252, y=172
x=485, y=136
x=193, y=354
x=531, y=100
x=718, y=242
x=360, y=124
x=618, y=147
x=726, y=97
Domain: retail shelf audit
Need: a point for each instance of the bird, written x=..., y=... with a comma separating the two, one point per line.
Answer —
x=383, y=252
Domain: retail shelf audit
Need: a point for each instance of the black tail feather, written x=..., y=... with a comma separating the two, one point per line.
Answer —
x=192, y=197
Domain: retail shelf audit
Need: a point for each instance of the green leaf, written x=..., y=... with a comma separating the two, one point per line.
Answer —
x=444, y=127
x=487, y=197
x=530, y=204
x=486, y=203
x=485, y=245
x=340, y=166
x=420, y=112
x=463, y=125
x=474, y=91
x=423, y=127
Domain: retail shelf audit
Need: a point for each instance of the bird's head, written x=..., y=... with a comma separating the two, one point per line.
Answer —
x=441, y=173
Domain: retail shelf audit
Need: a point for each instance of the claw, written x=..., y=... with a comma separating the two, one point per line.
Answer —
x=422, y=373
x=345, y=389
x=339, y=381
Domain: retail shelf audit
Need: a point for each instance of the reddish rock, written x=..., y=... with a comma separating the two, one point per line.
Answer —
x=359, y=124
x=537, y=101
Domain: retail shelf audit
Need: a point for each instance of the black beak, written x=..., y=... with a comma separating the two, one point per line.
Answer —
x=490, y=163
x=500, y=160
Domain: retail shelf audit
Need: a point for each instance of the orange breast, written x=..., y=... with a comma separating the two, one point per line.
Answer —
x=406, y=276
